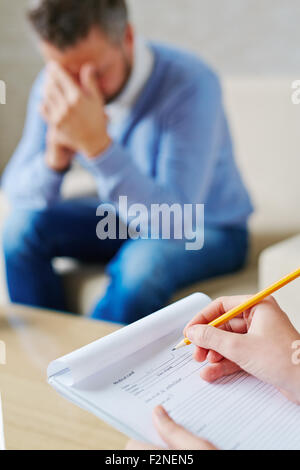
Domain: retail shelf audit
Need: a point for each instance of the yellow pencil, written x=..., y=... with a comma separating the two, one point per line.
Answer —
x=246, y=305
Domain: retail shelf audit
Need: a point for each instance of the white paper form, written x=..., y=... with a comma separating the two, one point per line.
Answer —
x=103, y=353
x=237, y=412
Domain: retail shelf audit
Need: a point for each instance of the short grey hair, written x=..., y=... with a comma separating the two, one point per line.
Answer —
x=65, y=22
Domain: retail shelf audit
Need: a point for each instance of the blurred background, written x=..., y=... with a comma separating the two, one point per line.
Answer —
x=254, y=45
x=239, y=37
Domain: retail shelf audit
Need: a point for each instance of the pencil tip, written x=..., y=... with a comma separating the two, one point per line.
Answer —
x=174, y=349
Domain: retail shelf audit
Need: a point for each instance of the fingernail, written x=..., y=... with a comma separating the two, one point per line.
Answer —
x=160, y=412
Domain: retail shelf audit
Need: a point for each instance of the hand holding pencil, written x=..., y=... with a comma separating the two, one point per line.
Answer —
x=244, y=306
x=259, y=341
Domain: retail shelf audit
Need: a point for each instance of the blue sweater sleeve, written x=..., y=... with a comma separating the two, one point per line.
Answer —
x=190, y=138
x=27, y=181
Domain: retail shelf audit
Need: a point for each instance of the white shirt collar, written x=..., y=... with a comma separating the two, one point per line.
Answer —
x=141, y=72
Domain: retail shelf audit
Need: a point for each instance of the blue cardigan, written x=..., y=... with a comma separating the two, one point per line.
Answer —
x=174, y=148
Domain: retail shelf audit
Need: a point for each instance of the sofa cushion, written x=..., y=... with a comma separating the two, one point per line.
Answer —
x=275, y=263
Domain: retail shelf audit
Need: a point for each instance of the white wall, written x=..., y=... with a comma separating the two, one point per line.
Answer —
x=240, y=37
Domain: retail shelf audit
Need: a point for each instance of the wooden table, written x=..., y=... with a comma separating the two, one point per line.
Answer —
x=35, y=416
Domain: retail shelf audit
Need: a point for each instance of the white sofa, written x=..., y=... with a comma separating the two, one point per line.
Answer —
x=277, y=261
x=265, y=126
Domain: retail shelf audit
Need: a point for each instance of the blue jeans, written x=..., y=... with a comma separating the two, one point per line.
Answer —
x=144, y=274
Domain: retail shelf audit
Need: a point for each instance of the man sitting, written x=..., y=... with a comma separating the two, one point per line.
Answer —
x=147, y=121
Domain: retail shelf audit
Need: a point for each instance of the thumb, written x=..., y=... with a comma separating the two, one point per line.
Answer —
x=88, y=80
x=230, y=345
x=175, y=436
